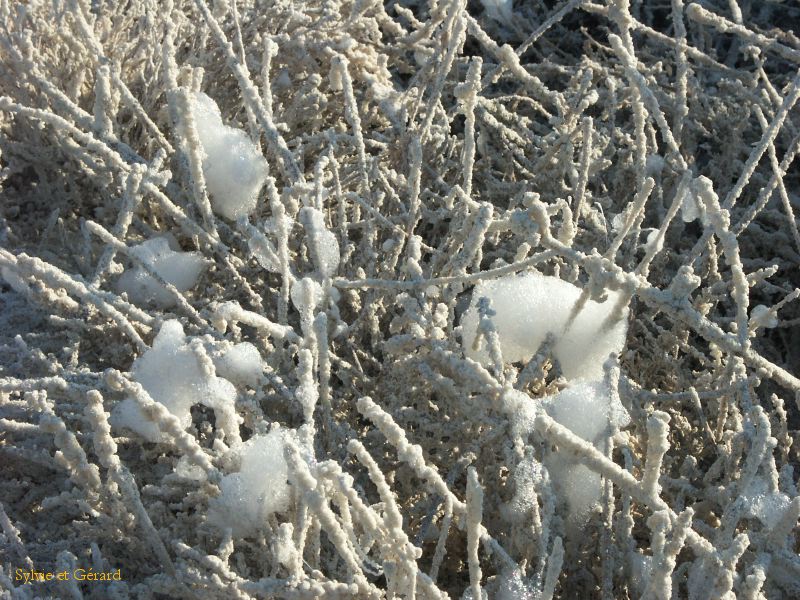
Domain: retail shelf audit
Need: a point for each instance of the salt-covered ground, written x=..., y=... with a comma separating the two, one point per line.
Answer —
x=447, y=299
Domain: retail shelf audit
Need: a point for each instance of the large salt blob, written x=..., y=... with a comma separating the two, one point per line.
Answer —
x=259, y=489
x=233, y=167
x=589, y=409
x=181, y=269
x=529, y=307
x=172, y=375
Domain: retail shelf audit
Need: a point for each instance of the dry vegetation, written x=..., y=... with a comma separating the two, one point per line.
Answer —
x=640, y=148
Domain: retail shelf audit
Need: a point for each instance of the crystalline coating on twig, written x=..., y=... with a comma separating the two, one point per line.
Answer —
x=528, y=307
x=181, y=269
x=259, y=489
x=15, y=281
x=233, y=167
x=171, y=374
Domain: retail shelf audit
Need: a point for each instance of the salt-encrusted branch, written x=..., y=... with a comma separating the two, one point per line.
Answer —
x=554, y=564
x=657, y=446
x=11, y=534
x=119, y=246
x=193, y=151
x=474, y=517
x=701, y=15
x=665, y=556
x=592, y=458
x=165, y=421
x=467, y=93
x=251, y=97
x=69, y=455
x=55, y=278
x=412, y=455
x=317, y=502
x=339, y=64
x=455, y=26
x=106, y=450
x=685, y=313
x=231, y=313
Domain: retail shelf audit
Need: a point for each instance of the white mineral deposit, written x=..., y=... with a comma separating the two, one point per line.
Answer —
x=419, y=299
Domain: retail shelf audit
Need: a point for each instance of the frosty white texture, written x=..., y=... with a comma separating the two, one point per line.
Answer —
x=765, y=505
x=530, y=306
x=760, y=315
x=589, y=410
x=259, y=489
x=511, y=585
x=654, y=243
x=15, y=281
x=499, y=10
x=171, y=374
x=181, y=269
x=306, y=295
x=327, y=246
x=695, y=201
x=240, y=364
x=233, y=167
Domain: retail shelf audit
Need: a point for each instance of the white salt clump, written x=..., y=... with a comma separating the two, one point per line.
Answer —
x=181, y=269
x=763, y=504
x=172, y=375
x=327, y=244
x=188, y=470
x=618, y=221
x=590, y=410
x=577, y=484
x=654, y=164
x=233, y=167
x=641, y=567
x=521, y=410
x=510, y=585
x=259, y=489
x=388, y=99
x=761, y=316
x=499, y=10
x=306, y=294
x=527, y=474
x=531, y=306
x=699, y=195
x=260, y=247
x=468, y=595
x=240, y=364
x=654, y=243
x=587, y=409
x=527, y=309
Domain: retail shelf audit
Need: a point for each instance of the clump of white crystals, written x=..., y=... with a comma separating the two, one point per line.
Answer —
x=171, y=374
x=259, y=488
x=233, y=167
x=531, y=306
x=181, y=269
